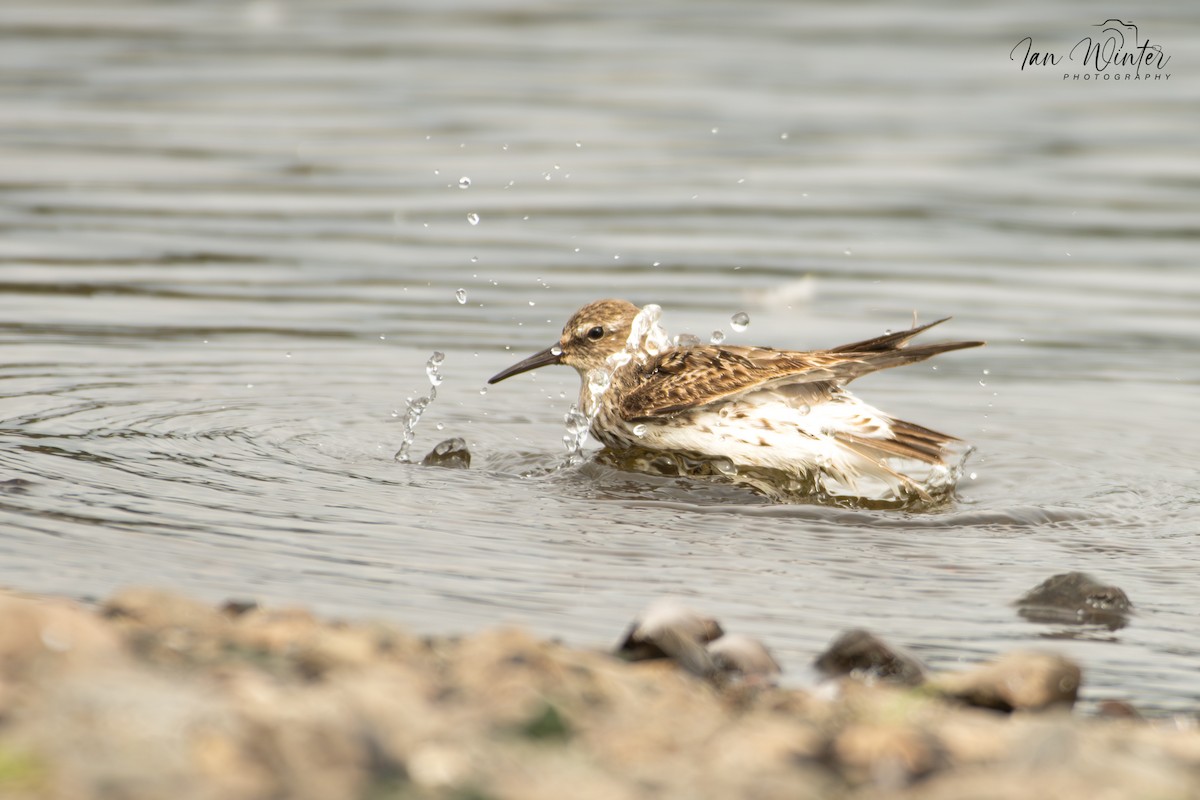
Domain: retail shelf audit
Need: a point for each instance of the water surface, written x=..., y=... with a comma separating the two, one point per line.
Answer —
x=233, y=233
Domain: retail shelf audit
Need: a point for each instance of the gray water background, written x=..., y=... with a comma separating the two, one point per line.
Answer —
x=232, y=233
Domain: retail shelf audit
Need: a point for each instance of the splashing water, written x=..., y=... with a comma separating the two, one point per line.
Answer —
x=647, y=338
x=577, y=424
x=416, y=406
x=433, y=369
x=599, y=381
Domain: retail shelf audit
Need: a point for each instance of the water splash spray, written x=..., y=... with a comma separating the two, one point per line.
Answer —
x=416, y=406
x=646, y=339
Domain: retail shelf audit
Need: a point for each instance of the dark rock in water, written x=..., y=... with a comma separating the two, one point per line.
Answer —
x=1075, y=598
x=669, y=629
x=862, y=654
x=1017, y=681
x=744, y=658
x=452, y=453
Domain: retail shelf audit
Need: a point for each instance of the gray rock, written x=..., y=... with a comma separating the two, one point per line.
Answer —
x=669, y=629
x=1076, y=598
x=862, y=654
x=451, y=453
x=744, y=658
x=1016, y=681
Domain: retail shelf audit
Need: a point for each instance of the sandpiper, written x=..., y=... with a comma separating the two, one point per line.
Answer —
x=753, y=407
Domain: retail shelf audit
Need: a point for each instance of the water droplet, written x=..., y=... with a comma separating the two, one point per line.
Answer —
x=983, y=383
x=716, y=131
x=461, y=296
x=739, y=321
x=598, y=381
x=287, y=355
x=783, y=136
x=579, y=144
x=474, y=259
x=987, y=372
x=639, y=429
x=473, y=218
x=433, y=368
x=483, y=390
x=803, y=408
x=575, y=420
x=846, y=252
x=656, y=263
x=618, y=360
x=717, y=337
x=532, y=303
x=973, y=476
x=441, y=426
x=725, y=467
x=686, y=340
x=556, y=350
x=464, y=182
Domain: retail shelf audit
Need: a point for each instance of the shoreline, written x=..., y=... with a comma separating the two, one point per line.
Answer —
x=151, y=694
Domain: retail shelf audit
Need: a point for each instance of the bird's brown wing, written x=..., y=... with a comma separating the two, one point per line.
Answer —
x=685, y=378
x=681, y=379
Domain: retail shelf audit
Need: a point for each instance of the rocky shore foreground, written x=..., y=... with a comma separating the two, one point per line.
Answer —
x=153, y=695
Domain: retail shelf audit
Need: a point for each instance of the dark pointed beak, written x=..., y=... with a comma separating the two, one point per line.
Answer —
x=545, y=358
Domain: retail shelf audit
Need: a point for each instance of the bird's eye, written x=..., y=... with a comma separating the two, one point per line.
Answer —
x=596, y=333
